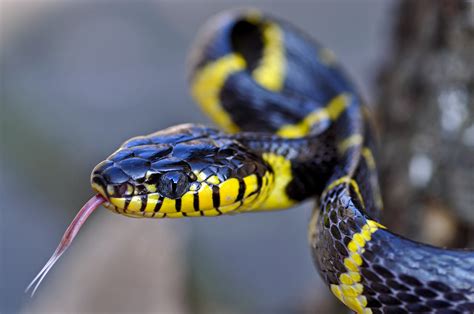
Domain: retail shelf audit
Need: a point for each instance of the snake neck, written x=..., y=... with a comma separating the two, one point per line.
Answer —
x=300, y=166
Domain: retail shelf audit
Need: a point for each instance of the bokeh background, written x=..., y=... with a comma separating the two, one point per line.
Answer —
x=79, y=78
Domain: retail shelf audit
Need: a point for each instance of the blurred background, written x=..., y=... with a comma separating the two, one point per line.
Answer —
x=79, y=78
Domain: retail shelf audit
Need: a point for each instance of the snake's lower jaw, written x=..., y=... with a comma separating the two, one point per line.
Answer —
x=155, y=206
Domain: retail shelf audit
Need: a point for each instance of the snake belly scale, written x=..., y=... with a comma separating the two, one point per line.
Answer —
x=296, y=128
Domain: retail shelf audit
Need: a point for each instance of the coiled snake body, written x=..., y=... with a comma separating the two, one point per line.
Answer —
x=296, y=129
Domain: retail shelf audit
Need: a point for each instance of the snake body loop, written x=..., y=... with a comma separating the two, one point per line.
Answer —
x=296, y=129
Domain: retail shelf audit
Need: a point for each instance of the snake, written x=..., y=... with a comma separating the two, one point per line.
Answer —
x=292, y=127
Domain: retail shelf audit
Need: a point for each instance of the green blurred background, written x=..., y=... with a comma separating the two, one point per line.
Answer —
x=79, y=78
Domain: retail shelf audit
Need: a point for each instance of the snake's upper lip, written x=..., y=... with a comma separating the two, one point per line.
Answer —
x=99, y=189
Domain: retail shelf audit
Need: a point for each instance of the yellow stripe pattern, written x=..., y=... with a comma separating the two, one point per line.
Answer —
x=345, y=180
x=370, y=161
x=351, y=141
x=271, y=71
x=253, y=197
x=207, y=85
x=349, y=290
x=208, y=81
x=278, y=198
x=331, y=112
x=369, y=158
x=253, y=201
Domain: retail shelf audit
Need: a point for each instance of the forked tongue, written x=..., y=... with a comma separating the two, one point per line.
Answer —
x=66, y=240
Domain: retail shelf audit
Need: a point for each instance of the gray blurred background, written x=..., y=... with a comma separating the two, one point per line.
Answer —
x=79, y=78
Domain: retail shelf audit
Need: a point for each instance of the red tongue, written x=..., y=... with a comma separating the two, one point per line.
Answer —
x=67, y=238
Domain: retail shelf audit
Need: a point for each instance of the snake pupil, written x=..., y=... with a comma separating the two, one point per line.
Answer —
x=173, y=184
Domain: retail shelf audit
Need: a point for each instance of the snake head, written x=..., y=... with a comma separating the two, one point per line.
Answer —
x=186, y=170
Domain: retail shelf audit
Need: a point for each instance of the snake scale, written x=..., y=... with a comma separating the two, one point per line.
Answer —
x=296, y=128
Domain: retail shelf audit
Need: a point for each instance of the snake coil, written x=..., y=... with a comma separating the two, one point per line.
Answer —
x=296, y=128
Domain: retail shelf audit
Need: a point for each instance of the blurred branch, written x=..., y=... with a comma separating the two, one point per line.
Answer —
x=426, y=117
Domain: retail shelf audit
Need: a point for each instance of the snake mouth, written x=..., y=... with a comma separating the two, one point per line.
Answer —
x=155, y=205
x=205, y=199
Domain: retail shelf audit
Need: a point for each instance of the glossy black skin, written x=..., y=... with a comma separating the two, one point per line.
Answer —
x=256, y=109
x=398, y=275
x=252, y=107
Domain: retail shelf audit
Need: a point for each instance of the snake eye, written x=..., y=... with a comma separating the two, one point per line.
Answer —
x=173, y=184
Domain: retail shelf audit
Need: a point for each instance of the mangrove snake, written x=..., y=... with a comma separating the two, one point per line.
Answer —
x=296, y=129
